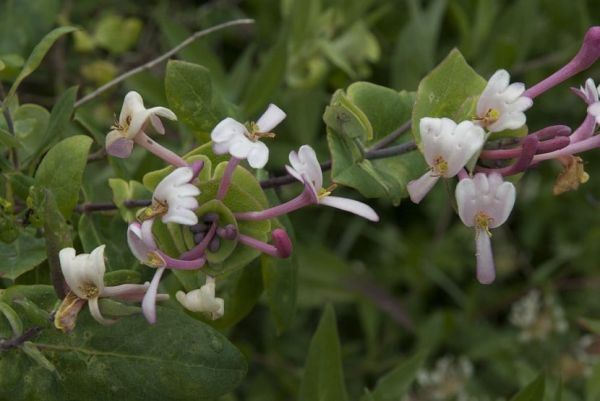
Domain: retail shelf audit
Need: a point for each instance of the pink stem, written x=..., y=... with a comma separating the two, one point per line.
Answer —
x=197, y=167
x=307, y=197
x=585, y=57
x=169, y=156
x=226, y=179
x=530, y=144
x=278, y=252
x=574, y=148
x=462, y=174
x=180, y=264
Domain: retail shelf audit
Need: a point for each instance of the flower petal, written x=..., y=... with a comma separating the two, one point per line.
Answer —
x=97, y=315
x=350, y=205
x=226, y=130
x=258, y=156
x=149, y=301
x=486, y=271
x=417, y=189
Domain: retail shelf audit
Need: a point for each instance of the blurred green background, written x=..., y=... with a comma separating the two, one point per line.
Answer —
x=406, y=283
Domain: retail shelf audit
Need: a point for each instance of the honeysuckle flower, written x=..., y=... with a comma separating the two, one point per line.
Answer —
x=501, y=104
x=203, y=300
x=305, y=168
x=84, y=275
x=447, y=147
x=132, y=120
x=174, y=198
x=142, y=245
x=243, y=141
x=484, y=202
x=589, y=94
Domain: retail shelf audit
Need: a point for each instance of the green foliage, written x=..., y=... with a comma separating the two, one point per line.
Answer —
x=356, y=120
x=323, y=375
x=192, y=95
x=533, y=392
x=37, y=55
x=63, y=176
x=88, y=364
x=21, y=256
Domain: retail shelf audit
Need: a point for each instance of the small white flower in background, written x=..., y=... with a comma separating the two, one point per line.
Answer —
x=484, y=202
x=447, y=380
x=84, y=275
x=243, y=142
x=174, y=198
x=203, y=300
x=501, y=105
x=132, y=120
x=447, y=147
x=142, y=245
x=537, y=317
x=305, y=168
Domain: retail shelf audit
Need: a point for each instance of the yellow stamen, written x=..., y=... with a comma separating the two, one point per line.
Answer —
x=440, y=166
x=90, y=290
x=482, y=221
x=490, y=117
x=154, y=260
x=253, y=133
x=323, y=192
x=158, y=208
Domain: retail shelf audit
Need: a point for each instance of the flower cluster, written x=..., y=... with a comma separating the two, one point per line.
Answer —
x=176, y=201
x=483, y=198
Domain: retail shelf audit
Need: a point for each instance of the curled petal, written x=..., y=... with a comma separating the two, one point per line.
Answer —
x=270, y=118
x=149, y=301
x=117, y=145
x=96, y=314
x=350, y=205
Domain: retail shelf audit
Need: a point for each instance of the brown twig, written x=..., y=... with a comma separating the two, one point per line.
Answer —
x=20, y=339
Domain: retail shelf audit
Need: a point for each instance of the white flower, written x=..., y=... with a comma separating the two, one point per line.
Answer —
x=84, y=275
x=175, y=198
x=305, y=168
x=484, y=202
x=233, y=137
x=132, y=120
x=447, y=147
x=203, y=300
x=501, y=105
x=142, y=245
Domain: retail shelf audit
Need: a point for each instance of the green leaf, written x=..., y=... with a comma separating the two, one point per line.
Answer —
x=62, y=175
x=8, y=140
x=193, y=97
x=173, y=359
x=37, y=55
x=394, y=385
x=358, y=119
x=323, y=377
x=21, y=256
x=533, y=392
x=59, y=118
x=451, y=90
x=31, y=122
x=57, y=233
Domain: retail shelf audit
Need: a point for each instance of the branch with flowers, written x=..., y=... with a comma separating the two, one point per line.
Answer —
x=198, y=226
